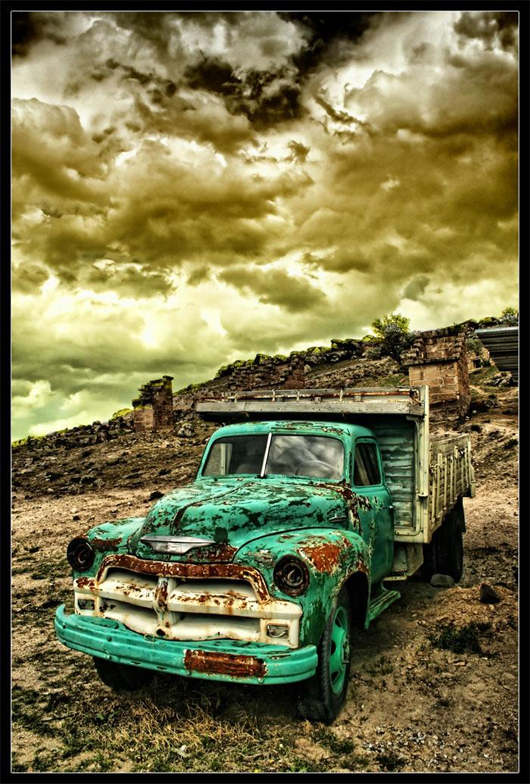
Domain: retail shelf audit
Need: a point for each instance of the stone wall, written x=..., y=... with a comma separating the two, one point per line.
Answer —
x=438, y=359
x=81, y=436
x=268, y=373
x=153, y=409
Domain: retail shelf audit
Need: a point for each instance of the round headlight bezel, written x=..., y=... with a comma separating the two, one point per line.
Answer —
x=80, y=554
x=291, y=575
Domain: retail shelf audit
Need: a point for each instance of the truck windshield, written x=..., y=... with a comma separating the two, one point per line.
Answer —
x=289, y=455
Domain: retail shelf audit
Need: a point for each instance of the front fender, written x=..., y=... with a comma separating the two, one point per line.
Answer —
x=109, y=538
x=331, y=556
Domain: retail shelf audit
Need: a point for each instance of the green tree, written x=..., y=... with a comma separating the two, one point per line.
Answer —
x=510, y=316
x=394, y=333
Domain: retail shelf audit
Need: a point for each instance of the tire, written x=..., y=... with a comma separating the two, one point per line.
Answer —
x=428, y=567
x=450, y=547
x=445, y=552
x=122, y=677
x=322, y=696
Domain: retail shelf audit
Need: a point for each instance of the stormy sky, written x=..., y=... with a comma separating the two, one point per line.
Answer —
x=192, y=188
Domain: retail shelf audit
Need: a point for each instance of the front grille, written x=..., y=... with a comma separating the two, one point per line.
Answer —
x=175, y=607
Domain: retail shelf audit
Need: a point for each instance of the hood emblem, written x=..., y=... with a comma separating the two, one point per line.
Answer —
x=173, y=544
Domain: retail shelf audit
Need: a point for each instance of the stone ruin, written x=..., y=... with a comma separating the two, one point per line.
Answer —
x=269, y=373
x=438, y=359
x=153, y=409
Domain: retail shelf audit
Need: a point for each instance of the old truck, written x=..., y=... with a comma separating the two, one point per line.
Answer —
x=307, y=508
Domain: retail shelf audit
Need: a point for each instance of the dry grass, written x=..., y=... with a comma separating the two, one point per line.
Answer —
x=172, y=725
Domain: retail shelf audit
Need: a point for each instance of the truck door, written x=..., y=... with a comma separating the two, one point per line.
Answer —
x=374, y=506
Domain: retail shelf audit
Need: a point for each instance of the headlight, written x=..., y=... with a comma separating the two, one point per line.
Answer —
x=80, y=554
x=291, y=576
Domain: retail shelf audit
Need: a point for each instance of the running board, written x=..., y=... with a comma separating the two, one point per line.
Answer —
x=383, y=600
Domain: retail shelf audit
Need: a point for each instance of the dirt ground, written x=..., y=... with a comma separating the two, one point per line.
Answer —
x=413, y=704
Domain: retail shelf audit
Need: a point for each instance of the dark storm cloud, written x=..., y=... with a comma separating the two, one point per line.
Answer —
x=299, y=152
x=200, y=274
x=340, y=260
x=126, y=280
x=276, y=287
x=491, y=27
x=264, y=98
x=416, y=287
x=28, y=278
x=155, y=28
x=158, y=212
x=30, y=27
x=273, y=96
x=330, y=36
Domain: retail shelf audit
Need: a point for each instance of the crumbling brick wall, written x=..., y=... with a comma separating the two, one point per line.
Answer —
x=153, y=409
x=268, y=373
x=438, y=359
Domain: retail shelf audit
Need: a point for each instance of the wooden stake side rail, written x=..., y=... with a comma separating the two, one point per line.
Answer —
x=450, y=475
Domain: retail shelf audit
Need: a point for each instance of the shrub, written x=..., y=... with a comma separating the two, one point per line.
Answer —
x=394, y=333
x=460, y=639
x=510, y=317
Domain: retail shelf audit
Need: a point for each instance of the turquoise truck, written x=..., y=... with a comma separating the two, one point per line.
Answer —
x=308, y=507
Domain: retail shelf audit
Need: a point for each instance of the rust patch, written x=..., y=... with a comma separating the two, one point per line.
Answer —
x=361, y=566
x=353, y=500
x=324, y=556
x=364, y=503
x=236, y=666
x=197, y=571
x=342, y=488
x=85, y=582
x=161, y=595
x=216, y=553
x=101, y=545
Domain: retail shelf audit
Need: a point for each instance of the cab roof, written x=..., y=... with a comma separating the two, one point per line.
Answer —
x=305, y=427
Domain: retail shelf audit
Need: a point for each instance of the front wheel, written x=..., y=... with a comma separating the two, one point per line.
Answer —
x=122, y=677
x=322, y=696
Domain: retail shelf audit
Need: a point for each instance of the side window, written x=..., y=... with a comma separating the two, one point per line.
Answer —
x=218, y=459
x=366, y=465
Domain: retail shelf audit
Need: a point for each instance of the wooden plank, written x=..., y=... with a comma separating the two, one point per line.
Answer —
x=308, y=407
x=324, y=392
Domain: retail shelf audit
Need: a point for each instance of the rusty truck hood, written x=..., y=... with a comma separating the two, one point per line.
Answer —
x=232, y=512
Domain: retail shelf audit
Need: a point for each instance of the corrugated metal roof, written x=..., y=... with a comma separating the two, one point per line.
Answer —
x=503, y=345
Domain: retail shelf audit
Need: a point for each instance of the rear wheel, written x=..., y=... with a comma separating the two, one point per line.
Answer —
x=322, y=696
x=428, y=568
x=450, y=547
x=445, y=552
x=122, y=677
